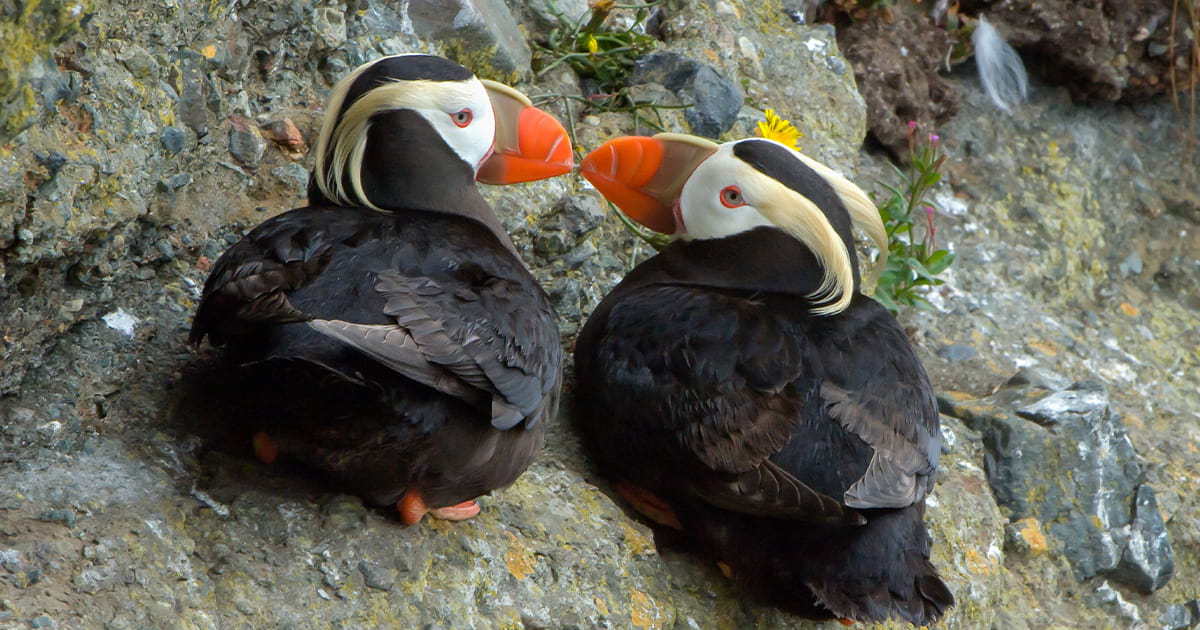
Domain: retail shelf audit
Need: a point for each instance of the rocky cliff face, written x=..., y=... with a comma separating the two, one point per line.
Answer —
x=140, y=139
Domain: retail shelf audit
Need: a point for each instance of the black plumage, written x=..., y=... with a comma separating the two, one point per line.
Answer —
x=796, y=448
x=403, y=350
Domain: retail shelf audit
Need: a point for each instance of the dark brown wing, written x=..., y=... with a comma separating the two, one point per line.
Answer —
x=695, y=387
x=467, y=334
x=435, y=298
x=249, y=284
x=876, y=389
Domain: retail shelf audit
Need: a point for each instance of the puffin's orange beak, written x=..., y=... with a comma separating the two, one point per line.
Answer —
x=645, y=176
x=530, y=144
x=620, y=169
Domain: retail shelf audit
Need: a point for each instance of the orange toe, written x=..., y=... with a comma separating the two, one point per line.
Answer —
x=726, y=570
x=648, y=504
x=846, y=622
x=460, y=512
x=264, y=449
x=412, y=507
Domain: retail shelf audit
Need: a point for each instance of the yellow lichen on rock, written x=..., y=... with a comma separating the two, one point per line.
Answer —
x=519, y=561
x=1030, y=530
x=644, y=611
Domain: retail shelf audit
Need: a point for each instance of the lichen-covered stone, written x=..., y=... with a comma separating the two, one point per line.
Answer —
x=484, y=29
x=714, y=100
x=1064, y=459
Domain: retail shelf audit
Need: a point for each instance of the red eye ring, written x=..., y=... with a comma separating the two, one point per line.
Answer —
x=731, y=197
x=462, y=118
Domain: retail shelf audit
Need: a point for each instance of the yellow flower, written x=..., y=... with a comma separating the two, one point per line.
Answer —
x=593, y=46
x=779, y=129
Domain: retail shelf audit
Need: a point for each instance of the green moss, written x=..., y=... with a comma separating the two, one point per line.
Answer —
x=479, y=60
x=25, y=38
x=20, y=111
x=770, y=16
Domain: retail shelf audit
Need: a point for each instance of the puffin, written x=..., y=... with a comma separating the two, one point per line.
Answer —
x=388, y=334
x=739, y=387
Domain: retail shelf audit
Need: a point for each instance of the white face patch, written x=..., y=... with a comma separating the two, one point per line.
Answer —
x=704, y=216
x=473, y=141
x=725, y=196
x=444, y=104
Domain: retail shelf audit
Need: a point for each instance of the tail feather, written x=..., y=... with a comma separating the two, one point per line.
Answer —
x=870, y=573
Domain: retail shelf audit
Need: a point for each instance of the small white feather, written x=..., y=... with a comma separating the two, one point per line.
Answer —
x=1000, y=68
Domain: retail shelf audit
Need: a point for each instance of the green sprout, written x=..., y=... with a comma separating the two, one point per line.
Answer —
x=654, y=239
x=606, y=56
x=912, y=264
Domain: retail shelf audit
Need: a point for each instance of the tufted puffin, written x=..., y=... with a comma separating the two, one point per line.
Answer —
x=393, y=337
x=738, y=386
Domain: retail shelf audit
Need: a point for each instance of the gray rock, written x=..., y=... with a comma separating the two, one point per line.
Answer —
x=1132, y=265
x=246, y=144
x=956, y=352
x=546, y=14
x=1078, y=402
x=293, y=175
x=715, y=99
x=66, y=517
x=42, y=621
x=1181, y=616
x=175, y=182
x=1148, y=562
x=329, y=24
x=572, y=218
x=173, y=139
x=1064, y=458
x=1038, y=377
x=474, y=29
x=192, y=86
x=377, y=577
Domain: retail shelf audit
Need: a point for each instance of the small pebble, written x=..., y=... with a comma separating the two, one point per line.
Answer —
x=173, y=139
x=42, y=621
x=293, y=175
x=245, y=143
x=375, y=577
x=956, y=352
x=175, y=182
x=66, y=517
x=284, y=133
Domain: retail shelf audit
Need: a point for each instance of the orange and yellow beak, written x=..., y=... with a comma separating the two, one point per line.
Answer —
x=645, y=176
x=530, y=144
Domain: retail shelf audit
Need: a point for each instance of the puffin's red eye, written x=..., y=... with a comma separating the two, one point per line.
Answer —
x=462, y=118
x=731, y=197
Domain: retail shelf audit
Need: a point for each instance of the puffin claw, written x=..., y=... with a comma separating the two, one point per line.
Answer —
x=648, y=504
x=265, y=449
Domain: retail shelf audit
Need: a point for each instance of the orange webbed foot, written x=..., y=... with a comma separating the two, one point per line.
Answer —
x=726, y=570
x=264, y=448
x=648, y=504
x=845, y=622
x=412, y=509
x=460, y=512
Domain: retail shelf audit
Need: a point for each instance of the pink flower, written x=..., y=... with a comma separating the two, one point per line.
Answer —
x=912, y=125
x=934, y=139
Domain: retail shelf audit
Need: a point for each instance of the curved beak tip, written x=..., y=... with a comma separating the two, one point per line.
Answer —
x=619, y=169
x=540, y=149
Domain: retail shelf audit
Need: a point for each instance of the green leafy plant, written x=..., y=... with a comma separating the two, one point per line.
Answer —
x=606, y=56
x=913, y=263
